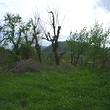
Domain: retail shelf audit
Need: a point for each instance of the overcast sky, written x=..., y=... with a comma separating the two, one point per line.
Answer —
x=73, y=14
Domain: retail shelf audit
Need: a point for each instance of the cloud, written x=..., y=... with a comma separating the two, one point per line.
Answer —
x=73, y=14
x=3, y=5
x=104, y=4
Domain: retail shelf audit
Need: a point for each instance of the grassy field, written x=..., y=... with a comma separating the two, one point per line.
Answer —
x=80, y=89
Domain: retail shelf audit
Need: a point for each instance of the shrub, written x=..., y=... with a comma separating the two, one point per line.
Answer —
x=28, y=65
x=5, y=56
x=27, y=51
x=23, y=52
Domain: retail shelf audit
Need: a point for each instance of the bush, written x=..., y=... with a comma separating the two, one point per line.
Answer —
x=5, y=56
x=27, y=51
x=29, y=65
x=23, y=52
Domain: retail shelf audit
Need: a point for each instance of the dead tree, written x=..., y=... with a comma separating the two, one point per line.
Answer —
x=54, y=38
x=36, y=32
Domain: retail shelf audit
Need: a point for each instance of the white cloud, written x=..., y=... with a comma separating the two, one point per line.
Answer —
x=79, y=13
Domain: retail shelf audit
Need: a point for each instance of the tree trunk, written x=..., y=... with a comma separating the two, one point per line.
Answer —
x=57, y=60
x=71, y=62
x=38, y=49
x=56, y=56
x=76, y=59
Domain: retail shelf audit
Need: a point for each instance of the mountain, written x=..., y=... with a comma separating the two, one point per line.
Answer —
x=62, y=46
x=43, y=47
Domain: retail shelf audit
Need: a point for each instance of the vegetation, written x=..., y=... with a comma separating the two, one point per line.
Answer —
x=79, y=44
x=90, y=46
x=69, y=75
x=53, y=38
x=82, y=48
x=36, y=34
x=78, y=89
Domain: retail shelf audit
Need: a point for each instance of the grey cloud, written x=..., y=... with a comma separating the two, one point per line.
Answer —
x=2, y=4
x=105, y=4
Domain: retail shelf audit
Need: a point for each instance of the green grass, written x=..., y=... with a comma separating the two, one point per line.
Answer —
x=81, y=89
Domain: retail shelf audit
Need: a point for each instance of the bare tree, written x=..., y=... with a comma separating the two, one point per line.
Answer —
x=31, y=32
x=36, y=33
x=53, y=38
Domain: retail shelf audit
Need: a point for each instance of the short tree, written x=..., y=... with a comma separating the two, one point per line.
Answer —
x=98, y=41
x=78, y=43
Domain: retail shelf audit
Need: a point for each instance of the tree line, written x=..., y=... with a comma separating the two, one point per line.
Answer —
x=86, y=47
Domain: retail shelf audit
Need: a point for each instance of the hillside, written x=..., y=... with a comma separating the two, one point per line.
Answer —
x=63, y=46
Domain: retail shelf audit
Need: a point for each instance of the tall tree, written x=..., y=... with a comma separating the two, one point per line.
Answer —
x=11, y=29
x=31, y=33
x=53, y=37
x=36, y=31
x=25, y=30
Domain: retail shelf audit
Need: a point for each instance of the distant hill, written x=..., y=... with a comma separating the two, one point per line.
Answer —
x=43, y=47
x=63, y=46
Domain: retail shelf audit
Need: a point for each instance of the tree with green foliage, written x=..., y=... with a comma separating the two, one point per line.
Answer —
x=12, y=31
x=25, y=29
x=78, y=43
x=17, y=33
x=26, y=50
x=98, y=40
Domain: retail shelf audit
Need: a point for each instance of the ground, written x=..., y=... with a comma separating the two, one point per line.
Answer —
x=80, y=89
